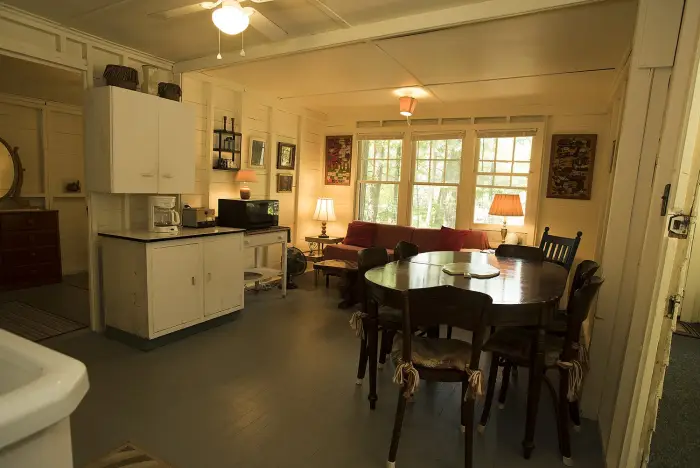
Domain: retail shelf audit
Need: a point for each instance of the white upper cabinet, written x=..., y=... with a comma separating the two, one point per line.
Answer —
x=138, y=143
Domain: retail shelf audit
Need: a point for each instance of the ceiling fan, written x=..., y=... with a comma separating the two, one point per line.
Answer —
x=230, y=17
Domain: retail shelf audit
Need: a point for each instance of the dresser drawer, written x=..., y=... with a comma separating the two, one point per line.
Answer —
x=26, y=221
x=30, y=256
x=11, y=240
x=31, y=275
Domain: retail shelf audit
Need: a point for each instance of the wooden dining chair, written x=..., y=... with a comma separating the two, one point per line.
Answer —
x=560, y=250
x=405, y=250
x=440, y=359
x=520, y=251
x=389, y=318
x=584, y=272
x=512, y=346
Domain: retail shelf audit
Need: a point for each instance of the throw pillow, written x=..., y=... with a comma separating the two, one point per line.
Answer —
x=452, y=239
x=360, y=234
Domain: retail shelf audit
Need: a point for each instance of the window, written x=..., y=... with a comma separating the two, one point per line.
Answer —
x=435, y=182
x=503, y=167
x=378, y=180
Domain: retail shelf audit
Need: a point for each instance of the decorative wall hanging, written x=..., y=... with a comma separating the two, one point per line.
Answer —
x=284, y=182
x=286, y=154
x=257, y=153
x=338, y=160
x=571, y=166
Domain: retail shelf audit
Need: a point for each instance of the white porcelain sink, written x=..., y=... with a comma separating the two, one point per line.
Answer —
x=39, y=389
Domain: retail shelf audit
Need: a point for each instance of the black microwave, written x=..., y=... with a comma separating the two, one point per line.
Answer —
x=249, y=214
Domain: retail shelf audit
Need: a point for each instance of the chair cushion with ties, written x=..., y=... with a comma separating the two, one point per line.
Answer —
x=515, y=344
x=435, y=353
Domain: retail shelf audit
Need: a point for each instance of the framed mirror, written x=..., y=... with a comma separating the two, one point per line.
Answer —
x=10, y=171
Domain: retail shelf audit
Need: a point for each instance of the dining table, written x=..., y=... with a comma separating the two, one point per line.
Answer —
x=525, y=294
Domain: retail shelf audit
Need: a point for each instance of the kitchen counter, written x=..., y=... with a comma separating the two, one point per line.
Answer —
x=184, y=233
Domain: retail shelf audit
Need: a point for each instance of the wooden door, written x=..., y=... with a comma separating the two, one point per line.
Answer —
x=134, y=142
x=223, y=274
x=175, y=285
x=176, y=129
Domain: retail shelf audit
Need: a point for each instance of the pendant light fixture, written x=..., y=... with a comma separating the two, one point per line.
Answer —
x=231, y=18
x=407, y=105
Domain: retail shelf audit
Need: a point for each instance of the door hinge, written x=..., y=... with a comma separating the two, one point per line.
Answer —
x=673, y=301
x=664, y=199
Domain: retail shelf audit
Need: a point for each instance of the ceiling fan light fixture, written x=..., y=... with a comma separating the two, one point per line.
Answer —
x=407, y=105
x=230, y=18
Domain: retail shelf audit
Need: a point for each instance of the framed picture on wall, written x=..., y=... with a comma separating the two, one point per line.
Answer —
x=286, y=154
x=338, y=160
x=284, y=183
x=257, y=153
x=571, y=166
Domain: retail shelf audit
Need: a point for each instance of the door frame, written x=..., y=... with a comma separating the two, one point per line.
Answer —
x=663, y=257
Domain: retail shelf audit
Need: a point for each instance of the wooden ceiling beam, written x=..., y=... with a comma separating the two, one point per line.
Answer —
x=412, y=24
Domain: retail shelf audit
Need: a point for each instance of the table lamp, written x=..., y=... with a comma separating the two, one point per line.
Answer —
x=506, y=205
x=245, y=176
x=324, y=212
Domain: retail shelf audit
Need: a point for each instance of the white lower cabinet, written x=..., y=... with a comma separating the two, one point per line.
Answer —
x=151, y=289
x=223, y=280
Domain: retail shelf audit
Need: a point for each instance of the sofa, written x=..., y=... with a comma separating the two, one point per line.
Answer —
x=387, y=236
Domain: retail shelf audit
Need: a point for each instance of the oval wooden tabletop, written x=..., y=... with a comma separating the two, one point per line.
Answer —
x=520, y=281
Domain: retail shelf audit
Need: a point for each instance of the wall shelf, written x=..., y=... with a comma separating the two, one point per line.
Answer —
x=225, y=169
x=69, y=195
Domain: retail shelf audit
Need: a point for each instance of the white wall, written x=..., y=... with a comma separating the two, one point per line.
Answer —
x=564, y=217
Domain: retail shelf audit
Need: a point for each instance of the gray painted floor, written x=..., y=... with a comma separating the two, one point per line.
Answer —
x=68, y=299
x=676, y=442
x=276, y=388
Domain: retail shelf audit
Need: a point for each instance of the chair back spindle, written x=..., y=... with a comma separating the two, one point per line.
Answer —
x=560, y=250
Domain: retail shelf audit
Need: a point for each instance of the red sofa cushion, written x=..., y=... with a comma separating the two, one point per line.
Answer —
x=451, y=239
x=427, y=240
x=360, y=234
x=389, y=235
x=341, y=252
x=476, y=240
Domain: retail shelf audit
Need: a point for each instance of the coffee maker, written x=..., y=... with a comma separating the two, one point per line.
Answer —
x=162, y=215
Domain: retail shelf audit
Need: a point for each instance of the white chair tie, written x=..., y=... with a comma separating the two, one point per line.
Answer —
x=476, y=383
x=406, y=374
x=575, y=370
x=356, y=323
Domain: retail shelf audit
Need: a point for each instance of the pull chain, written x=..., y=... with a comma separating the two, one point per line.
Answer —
x=242, y=49
x=218, y=56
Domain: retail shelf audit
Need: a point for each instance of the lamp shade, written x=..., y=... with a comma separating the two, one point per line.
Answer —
x=506, y=205
x=246, y=176
x=407, y=105
x=325, y=210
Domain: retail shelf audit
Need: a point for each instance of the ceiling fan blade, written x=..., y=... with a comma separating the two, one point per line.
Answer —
x=178, y=12
x=265, y=26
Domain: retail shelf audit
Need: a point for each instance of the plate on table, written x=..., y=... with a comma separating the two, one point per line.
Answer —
x=471, y=270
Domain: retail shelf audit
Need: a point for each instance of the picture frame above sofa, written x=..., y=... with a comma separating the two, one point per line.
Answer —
x=286, y=155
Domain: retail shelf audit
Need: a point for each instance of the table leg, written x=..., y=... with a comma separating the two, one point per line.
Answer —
x=372, y=344
x=534, y=390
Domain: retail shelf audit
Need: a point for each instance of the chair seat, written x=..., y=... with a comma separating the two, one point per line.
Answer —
x=559, y=324
x=435, y=353
x=389, y=314
x=514, y=344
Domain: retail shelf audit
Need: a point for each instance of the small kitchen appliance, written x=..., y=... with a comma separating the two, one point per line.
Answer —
x=198, y=217
x=249, y=214
x=162, y=215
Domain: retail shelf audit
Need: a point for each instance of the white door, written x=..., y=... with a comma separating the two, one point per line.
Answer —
x=175, y=285
x=134, y=142
x=223, y=274
x=176, y=129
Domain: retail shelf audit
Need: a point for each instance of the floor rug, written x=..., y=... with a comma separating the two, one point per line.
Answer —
x=688, y=329
x=32, y=323
x=128, y=456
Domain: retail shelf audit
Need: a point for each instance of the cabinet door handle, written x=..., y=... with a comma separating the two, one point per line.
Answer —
x=209, y=276
x=167, y=176
x=147, y=174
x=193, y=281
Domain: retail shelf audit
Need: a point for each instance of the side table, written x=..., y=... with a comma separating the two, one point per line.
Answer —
x=316, y=246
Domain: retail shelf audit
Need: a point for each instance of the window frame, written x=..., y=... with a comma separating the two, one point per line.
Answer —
x=358, y=171
x=534, y=186
x=415, y=139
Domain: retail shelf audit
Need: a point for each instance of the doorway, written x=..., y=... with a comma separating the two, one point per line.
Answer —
x=41, y=115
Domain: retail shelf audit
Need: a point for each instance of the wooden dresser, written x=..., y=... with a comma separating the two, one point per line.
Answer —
x=30, y=251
